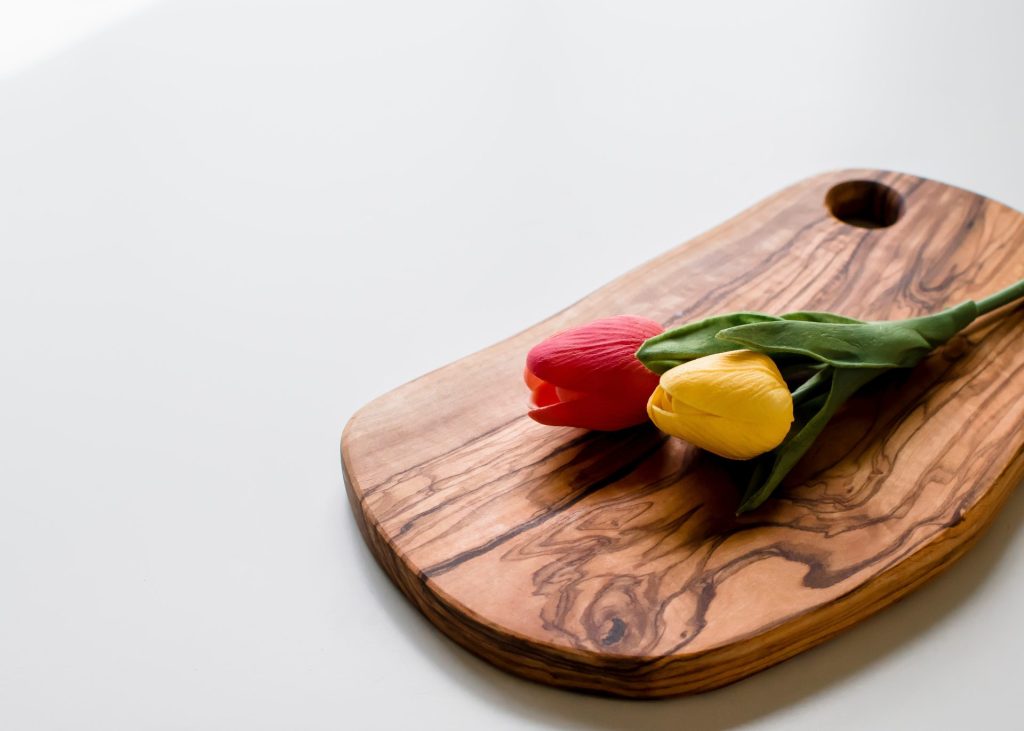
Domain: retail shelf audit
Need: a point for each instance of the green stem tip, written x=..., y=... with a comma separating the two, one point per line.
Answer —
x=1000, y=298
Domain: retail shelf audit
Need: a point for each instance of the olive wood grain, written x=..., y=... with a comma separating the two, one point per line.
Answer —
x=614, y=563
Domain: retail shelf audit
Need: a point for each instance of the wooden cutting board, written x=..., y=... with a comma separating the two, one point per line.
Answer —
x=614, y=563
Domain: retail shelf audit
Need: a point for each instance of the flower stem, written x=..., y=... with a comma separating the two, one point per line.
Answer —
x=1003, y=297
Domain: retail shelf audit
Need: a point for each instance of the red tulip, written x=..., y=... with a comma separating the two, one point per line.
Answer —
x=589, y=376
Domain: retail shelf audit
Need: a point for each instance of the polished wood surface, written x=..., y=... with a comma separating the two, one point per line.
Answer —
x=614, y=563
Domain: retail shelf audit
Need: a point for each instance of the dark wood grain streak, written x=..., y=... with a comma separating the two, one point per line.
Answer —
x=614, y=563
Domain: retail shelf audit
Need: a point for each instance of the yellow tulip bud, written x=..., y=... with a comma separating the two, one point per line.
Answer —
x=733, y=404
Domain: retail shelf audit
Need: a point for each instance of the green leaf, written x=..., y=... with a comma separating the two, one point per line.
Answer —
x=693, y=340
x=697, y=339
x=772, y=467
x=940, y=327
x=835, y=340
x=813, y=386
x=842, y=345
x=821, y=317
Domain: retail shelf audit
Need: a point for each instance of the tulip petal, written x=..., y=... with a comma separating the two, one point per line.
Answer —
x=531, y=380
x=592, y=411
x=734, y=404
x=741, y=385
x=595, y=356
x=544, y=395
x=716, y=434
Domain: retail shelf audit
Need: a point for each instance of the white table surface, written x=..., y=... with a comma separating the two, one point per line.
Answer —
x=217, y=220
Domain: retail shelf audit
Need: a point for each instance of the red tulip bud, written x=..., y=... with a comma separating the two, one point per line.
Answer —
x=589, y=376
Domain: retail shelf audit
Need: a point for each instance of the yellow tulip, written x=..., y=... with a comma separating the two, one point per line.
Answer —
x=733, y=404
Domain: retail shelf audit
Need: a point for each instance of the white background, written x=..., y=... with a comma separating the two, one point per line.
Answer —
x=225, y=226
